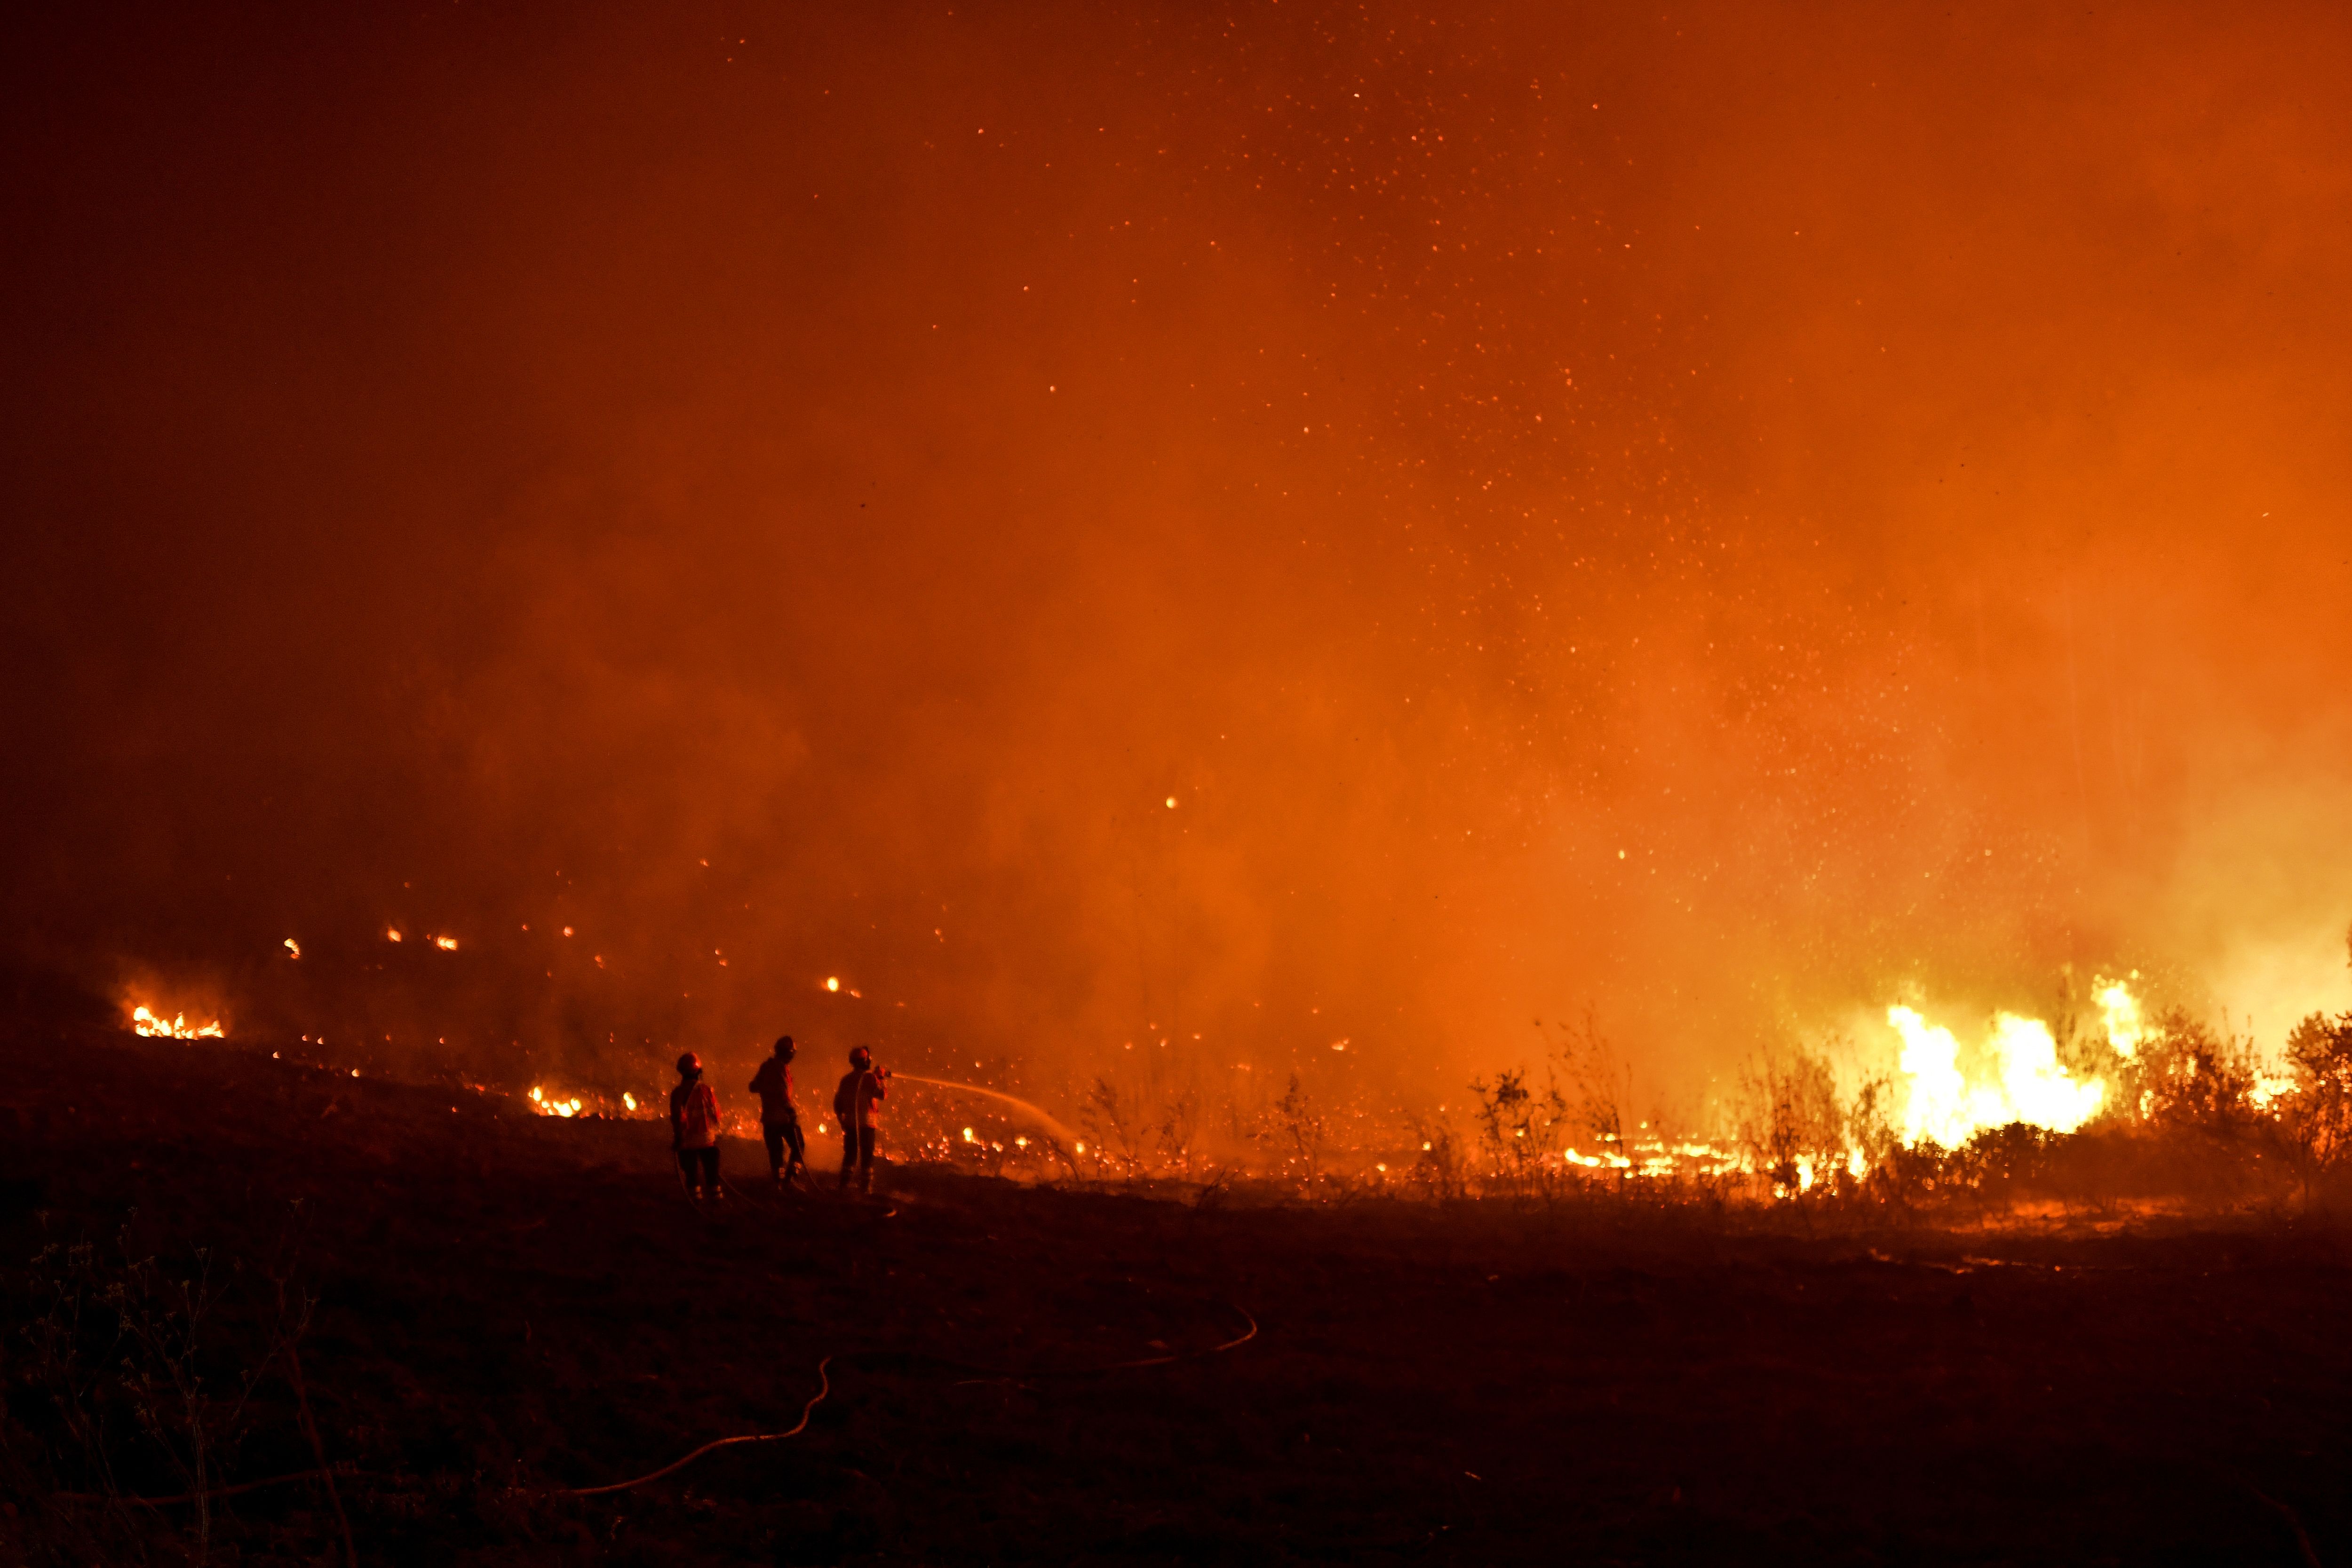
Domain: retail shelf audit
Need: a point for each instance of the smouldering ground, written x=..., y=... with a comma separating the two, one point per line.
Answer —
x=514, y=1304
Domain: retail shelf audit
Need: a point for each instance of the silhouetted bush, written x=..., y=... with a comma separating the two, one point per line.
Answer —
x=2315, y=1121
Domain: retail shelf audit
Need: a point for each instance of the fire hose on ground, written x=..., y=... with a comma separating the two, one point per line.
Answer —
x=877, y=1360
x=824, y=1387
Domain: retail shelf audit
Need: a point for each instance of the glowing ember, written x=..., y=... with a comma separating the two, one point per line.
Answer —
x=293, y=947
x=447, y=944
x=547, y=1107
x=392, y=934
x=145, y=1021
x=833, y=982
x=570, y=1103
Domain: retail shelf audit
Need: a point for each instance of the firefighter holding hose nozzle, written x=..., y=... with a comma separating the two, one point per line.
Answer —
x=857, y=1103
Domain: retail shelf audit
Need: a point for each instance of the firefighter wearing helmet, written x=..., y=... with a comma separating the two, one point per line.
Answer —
x=857, y=1103
x=780, y=1117
x=694, y=1131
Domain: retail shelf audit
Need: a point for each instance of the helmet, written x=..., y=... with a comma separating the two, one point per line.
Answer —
x=784, y=1045
x=689, y=1063
x=861, y=1057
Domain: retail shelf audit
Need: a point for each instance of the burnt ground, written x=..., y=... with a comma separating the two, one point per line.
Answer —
x=509, y=1305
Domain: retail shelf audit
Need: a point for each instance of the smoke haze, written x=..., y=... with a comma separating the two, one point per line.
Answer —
x=1254, y=527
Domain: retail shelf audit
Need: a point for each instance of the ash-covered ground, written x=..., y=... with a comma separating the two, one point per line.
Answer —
x=509, y=1305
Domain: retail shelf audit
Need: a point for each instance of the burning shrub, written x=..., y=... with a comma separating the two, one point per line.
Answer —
x=2316, y=1119
x=1534, y=1139
x=1175, y=1127
x=2189, y=1079
x=1144, y=1120
x=1109, y=1117
x=1438, y=1170
x=1999, y=1160
x=1303, y=1127
x=1522, y=1130
x=1793, y=1126
x=1517, y=1125
x=1870, y=1126
x=1601, y=1082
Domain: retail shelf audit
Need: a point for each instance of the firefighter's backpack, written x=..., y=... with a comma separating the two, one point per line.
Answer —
x=697, y=1122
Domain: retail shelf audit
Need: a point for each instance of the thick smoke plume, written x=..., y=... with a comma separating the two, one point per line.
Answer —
x=1313, y=535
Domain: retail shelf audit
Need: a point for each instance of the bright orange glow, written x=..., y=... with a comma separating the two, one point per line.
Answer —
x=554, y=1107
x=1727, y=525
x=2021, y=1082
x=144, y=1020
x=2121, y=1012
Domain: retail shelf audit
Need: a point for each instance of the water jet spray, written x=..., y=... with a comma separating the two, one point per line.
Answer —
x=1044, y=1121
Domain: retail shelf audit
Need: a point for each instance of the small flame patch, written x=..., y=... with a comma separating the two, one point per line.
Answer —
x=144, y=1020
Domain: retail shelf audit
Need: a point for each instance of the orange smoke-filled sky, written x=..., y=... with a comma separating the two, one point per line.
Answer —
x=1714, y=515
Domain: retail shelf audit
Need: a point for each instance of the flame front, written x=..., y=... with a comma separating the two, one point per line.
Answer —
x=144, y=1020
x=2025, y=1081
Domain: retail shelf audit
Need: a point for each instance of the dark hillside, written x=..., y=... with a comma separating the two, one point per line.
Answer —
x=510, y=1304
